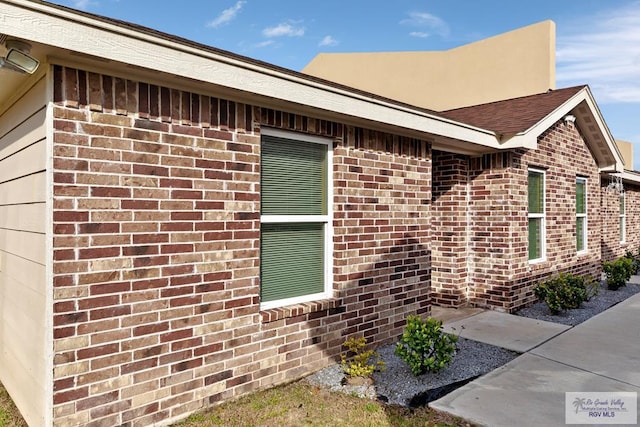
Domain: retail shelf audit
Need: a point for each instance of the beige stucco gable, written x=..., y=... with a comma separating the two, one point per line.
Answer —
x=626, y=149
x=517, y=63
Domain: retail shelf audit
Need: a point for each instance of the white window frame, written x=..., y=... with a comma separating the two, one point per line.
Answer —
x=542, y=216
x=326, y=219
x=583, y=215
x=622, y=215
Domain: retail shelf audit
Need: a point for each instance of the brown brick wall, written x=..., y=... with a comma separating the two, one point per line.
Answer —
x=564, y=154
x=450, y=229
x=632, y=194
x=612, y=248
x=499, y=275
x=496, y=239
x=156, y=250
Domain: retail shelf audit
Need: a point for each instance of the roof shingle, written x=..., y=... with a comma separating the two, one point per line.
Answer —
x=512, y=116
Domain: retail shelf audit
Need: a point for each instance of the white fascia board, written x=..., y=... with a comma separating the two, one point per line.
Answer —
x=540, y=127
x=522, y=140
x=586, y=96
x=41, y=23
x=628, y=177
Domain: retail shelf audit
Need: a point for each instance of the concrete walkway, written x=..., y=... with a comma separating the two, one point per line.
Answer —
x=599, y=355
x=515, y=333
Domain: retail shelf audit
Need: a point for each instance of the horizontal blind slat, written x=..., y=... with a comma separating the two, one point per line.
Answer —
x=292, y=260
x=293, y=177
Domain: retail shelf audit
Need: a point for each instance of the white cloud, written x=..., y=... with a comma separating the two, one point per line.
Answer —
x=419, y=34
x=604, y=53
x=227, y=15
x=283, y=30
x=84, y=4
x=264, y=43
x=328, y=41
x=430, y=23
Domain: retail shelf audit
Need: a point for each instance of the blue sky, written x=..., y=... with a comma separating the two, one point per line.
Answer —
x=598, y=41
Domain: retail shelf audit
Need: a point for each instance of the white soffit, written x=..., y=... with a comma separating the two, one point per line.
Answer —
x=42, y=23
x=591, y=122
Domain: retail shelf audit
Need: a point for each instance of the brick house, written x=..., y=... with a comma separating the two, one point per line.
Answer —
x=489, y=265
x=181, y=225
x=504, y=221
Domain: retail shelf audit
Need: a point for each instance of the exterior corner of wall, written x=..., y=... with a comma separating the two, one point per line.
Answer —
x=49, y=345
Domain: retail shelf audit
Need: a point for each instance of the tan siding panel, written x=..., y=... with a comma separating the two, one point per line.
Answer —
x=24, y=329
x=26, y=390
x=29, y=246
x=24, y=162
x=24, y=134
x=29, y=189
x=29, y=217
x=24, y=291
x=23, y=321
x=31, y=102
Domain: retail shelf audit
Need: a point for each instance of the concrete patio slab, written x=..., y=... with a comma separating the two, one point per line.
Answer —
x=528, y=391
x=448, y=314
x=607, y=344
x=515, y=333
x=598, y=355
x=634, y=280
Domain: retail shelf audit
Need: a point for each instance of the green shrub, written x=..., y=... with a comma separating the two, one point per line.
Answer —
x=424, y=347
x=635, y=261
x=567, y=291
x=618, y=272
x=358, y=361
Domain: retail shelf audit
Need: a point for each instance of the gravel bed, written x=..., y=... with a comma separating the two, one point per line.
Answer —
x=604, y=300
x=397, y=385
x=332, y=378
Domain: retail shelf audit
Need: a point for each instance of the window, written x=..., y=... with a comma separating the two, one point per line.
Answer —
x=581, y=214
x=536, y=215
x=622, y=217
x=295, y=217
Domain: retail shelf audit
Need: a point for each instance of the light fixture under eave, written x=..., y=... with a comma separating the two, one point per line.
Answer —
x=615, y=184
x=18, y=58
x=569, y=118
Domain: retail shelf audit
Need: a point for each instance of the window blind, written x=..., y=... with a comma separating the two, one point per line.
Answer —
x=293, y=178
x=292, y=260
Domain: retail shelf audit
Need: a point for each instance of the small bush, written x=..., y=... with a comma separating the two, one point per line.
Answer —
x=359, y=362
x=635, y=261
x=618, y=272
x=565, y=292
x=424, y=347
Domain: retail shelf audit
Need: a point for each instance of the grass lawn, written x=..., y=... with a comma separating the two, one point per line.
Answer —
x=299, y=404
x=9, y=415
x=292, y=405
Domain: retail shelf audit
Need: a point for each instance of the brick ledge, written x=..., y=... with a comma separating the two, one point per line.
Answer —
x=273, y=314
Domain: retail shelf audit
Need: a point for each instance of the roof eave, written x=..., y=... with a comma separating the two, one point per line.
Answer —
x=628, y=176
x=582, y=105
x=520, y=140
x=127, y=45
x=617, y=161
